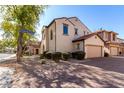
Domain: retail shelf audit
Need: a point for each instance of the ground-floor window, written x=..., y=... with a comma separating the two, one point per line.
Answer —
x=78, y=46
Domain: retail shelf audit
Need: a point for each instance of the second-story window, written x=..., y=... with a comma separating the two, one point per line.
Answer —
x=76, y=31
x=65, y=29
x=51, y=35
x=113, y=37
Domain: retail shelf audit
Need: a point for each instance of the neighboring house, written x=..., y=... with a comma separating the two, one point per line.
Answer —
x=113, y=45
x=33, y=48
x=69, y=35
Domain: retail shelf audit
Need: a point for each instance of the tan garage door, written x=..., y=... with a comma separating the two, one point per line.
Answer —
x=114, y=51
x=123, y=51
x=94, y=51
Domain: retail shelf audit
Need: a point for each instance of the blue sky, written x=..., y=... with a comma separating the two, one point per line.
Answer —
x=94, y=17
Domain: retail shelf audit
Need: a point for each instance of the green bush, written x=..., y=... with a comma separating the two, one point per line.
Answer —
x=56, y=56
x=73, y=54
x=106, y=54
x=41, y=56
x=48, y=55
x=78, y=55
x=65, y=56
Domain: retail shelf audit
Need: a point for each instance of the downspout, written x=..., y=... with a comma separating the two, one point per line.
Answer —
x=55, y=36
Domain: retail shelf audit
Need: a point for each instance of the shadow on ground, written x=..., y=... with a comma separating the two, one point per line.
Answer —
x=70, y=74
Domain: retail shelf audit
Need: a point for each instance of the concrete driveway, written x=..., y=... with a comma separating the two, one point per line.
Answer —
x=115, y=64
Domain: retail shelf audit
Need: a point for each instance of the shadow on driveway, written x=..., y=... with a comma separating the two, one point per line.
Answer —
x=115, y=64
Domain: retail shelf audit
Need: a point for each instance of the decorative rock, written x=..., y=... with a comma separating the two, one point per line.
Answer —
x=5, y=77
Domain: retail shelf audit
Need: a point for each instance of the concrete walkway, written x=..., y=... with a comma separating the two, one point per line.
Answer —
x=4, y=57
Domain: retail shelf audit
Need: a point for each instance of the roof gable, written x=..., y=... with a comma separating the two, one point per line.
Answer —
x=86, y=37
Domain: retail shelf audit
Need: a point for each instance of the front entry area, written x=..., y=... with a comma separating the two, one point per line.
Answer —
x=94, y=51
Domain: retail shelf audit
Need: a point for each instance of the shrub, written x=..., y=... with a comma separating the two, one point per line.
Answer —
x=65, y=56
x=78, y=55
x=56, y=56
x=41, y=56
x=48, y=55
x=106, y=54
x=44, y=53
x=73, y=54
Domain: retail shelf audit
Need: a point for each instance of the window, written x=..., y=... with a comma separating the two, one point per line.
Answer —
x=84, y=32
x=78, y=46
x=51, y=35
x=65, y=29
x=113, y=37
x=76, y=31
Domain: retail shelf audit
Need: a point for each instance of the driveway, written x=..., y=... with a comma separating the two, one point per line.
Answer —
x=93, y=73
x=115, y=64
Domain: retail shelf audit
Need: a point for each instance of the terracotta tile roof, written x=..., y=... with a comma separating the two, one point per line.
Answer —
x=86, y=37
x=99, y=31
x=34, y=44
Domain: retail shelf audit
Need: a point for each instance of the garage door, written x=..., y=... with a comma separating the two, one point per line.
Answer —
x=94, y=51
x=123, y=51
x=114, y=51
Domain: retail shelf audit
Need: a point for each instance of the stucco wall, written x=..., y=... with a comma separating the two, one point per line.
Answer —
x=81, y=46
x=81, y=27
x=96, y=41
x=51, y=45
x=44, y=41
x=64, y=42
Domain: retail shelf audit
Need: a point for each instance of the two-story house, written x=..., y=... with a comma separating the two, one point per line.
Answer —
x=113, y=45
x=69, y=35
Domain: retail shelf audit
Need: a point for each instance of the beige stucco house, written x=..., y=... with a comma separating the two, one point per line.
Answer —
x=113, y=44
x=33, y=48
x=69, y=35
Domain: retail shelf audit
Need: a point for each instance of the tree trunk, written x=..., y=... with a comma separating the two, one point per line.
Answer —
x=19, y=47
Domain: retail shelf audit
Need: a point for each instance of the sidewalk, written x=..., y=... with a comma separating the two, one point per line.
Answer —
x=8, y=57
